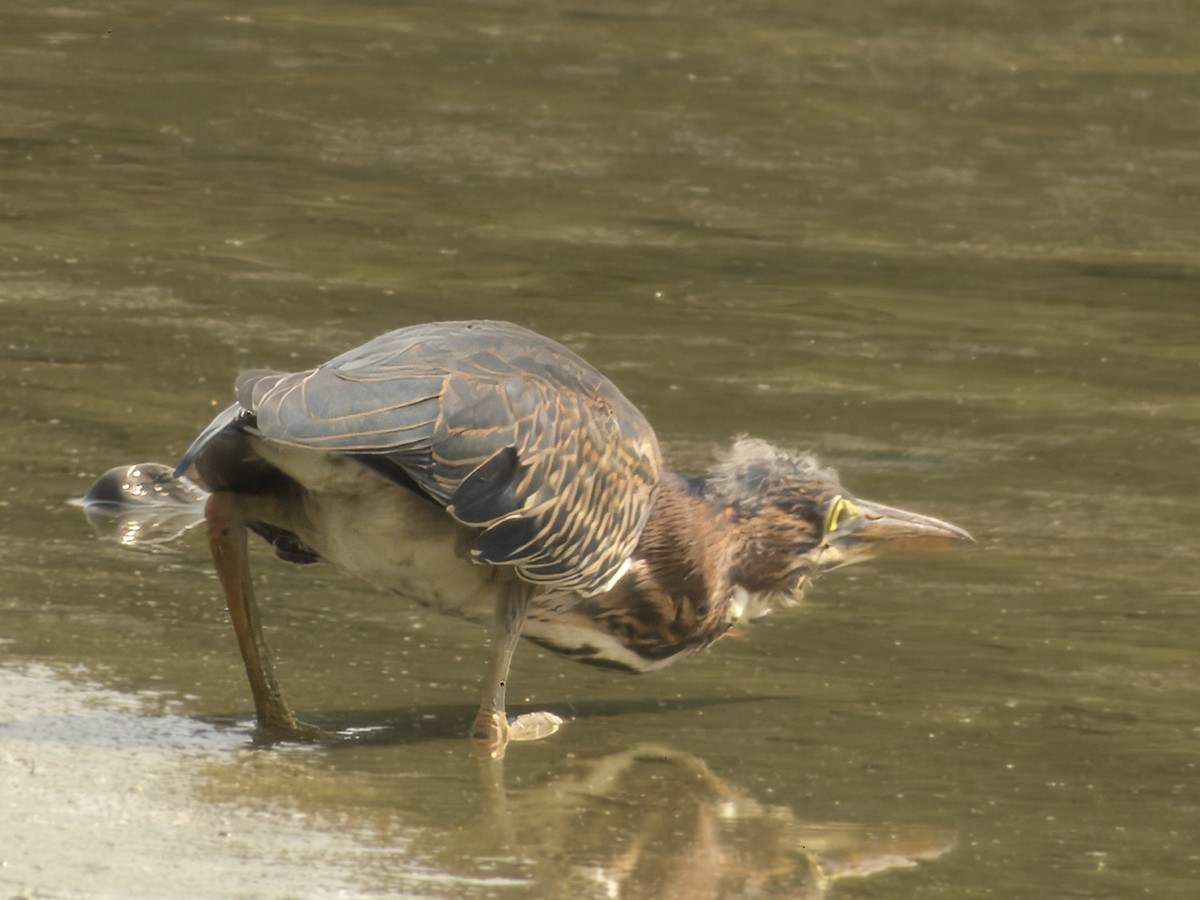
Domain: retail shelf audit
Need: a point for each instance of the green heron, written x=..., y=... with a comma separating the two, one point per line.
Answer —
x=478, y=467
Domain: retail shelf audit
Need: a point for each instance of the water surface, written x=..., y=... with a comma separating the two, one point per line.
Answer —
x=952, y=249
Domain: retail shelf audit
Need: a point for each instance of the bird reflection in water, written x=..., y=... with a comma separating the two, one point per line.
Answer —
x=651, y=822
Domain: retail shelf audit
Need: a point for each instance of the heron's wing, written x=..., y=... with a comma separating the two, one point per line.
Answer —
x=511, y=432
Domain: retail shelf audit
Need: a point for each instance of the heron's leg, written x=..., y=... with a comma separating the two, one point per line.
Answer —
x=227, y=540
x=492, y=730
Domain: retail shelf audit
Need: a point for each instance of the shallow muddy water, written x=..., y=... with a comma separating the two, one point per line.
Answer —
x=953, y=249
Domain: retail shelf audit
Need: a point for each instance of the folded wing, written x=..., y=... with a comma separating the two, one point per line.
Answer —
x=509, y=431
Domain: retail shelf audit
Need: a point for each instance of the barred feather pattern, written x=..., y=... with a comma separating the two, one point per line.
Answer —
x=511, y=432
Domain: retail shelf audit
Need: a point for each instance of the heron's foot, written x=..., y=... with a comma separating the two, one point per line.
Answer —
x=492, y=731
x=288, y=730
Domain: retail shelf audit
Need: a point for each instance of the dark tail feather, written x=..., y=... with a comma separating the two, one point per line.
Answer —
x=142, y=505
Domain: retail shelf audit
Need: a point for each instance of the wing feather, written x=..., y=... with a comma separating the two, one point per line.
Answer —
x=511, y=432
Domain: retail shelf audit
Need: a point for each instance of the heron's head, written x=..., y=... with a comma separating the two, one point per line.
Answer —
x=797, y=521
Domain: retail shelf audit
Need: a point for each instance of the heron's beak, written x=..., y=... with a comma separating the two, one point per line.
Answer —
x=885, y=529
x=860, y=530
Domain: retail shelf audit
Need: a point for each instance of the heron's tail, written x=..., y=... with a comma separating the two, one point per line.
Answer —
x=142, y=505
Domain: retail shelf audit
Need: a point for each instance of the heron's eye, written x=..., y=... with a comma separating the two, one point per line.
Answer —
x=840, y=511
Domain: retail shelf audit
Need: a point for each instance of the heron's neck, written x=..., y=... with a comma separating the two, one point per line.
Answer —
x=677, y=597
x=689, y=546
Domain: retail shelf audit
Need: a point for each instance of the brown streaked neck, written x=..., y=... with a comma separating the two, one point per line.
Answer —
x=688, y=547
x=676, y=598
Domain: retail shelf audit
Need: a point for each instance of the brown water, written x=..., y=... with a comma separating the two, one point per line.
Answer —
x=953, y=248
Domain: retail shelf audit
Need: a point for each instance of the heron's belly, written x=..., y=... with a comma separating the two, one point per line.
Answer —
x=398, y=542
x=394, y=539
x=403, y=544
x=381, y=532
